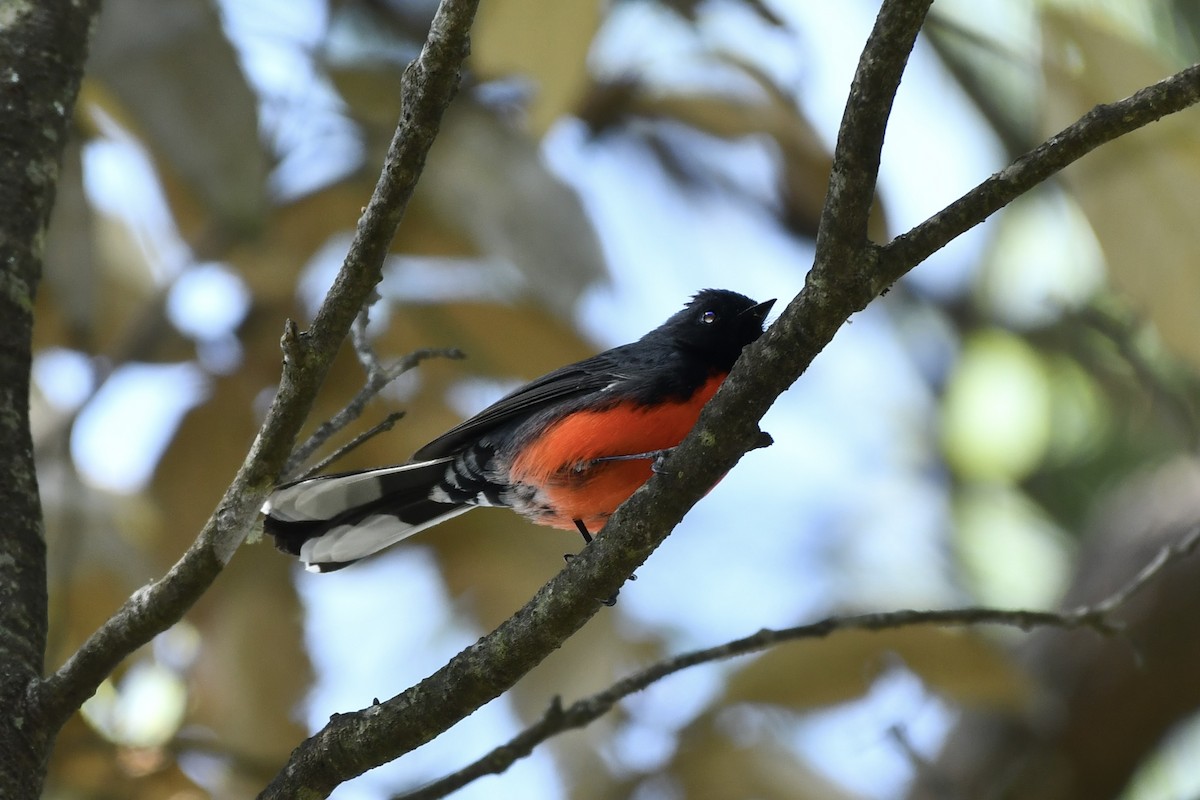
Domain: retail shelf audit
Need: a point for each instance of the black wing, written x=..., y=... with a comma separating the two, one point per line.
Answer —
x=565, y=383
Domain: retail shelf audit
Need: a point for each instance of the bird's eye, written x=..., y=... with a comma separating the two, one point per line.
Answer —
x=708, y=317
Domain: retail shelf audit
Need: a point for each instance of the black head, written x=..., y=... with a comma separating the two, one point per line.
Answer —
x=716, y=325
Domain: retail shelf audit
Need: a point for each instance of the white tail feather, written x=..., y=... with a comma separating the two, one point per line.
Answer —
x=370, y=535
x=324, y=497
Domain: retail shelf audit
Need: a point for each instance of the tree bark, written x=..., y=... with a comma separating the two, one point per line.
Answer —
x=43, y=46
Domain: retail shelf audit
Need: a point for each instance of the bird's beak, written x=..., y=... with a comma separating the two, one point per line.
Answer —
x=761, y=310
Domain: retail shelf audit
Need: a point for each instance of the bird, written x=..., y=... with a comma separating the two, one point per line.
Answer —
x=564, y=450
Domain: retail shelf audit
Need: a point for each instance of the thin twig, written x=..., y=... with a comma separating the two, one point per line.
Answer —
x=378, y=377
x=1173, y=552
x=920, y=766
x=386, y=425
x=364, y=349
x=557, y=719
x=1099, y=126
x=1123, y=334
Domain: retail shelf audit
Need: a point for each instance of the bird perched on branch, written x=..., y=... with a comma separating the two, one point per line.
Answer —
x=564, y=450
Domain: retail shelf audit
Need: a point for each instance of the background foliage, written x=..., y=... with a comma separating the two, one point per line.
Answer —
x=1015, y=423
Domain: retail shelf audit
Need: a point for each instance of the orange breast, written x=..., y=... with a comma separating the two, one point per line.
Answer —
x=560, y=462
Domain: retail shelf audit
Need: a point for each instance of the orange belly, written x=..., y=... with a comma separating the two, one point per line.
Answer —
x=560, y=464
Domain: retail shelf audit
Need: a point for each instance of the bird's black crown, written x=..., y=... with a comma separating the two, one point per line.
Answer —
x=717, y=324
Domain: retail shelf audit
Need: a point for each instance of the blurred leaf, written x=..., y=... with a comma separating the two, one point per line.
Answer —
x=807, y=163
x=994, y=65
x=1139, y=191
x=1012, y=556
x=1186, y=19
x=271, y=264
x=996, y=418
x=86, y=766
x=252, y=670
x=804, y=161
x=131, y=298
x=711, y=765
x=546, y=41
x=371, y=90
x=688, y=9
x=810, y=674
x=486, y=189
x=126, y=317
x=489, y=179
x=296, y=232
x=1044, y=260
x=70, y=264
x=95, y=540
x=177, y=85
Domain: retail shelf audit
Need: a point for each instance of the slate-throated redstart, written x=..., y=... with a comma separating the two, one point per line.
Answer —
x=564, y=450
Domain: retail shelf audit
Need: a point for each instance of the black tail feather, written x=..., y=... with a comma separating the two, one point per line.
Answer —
x=393, y=501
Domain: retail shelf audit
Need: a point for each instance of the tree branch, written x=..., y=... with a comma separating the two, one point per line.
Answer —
x=1175, y=401
x=1102, y=124
x=430, y=84
x=383, y=426
x=378, y=377
x=43, y=46
x=842, y=244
